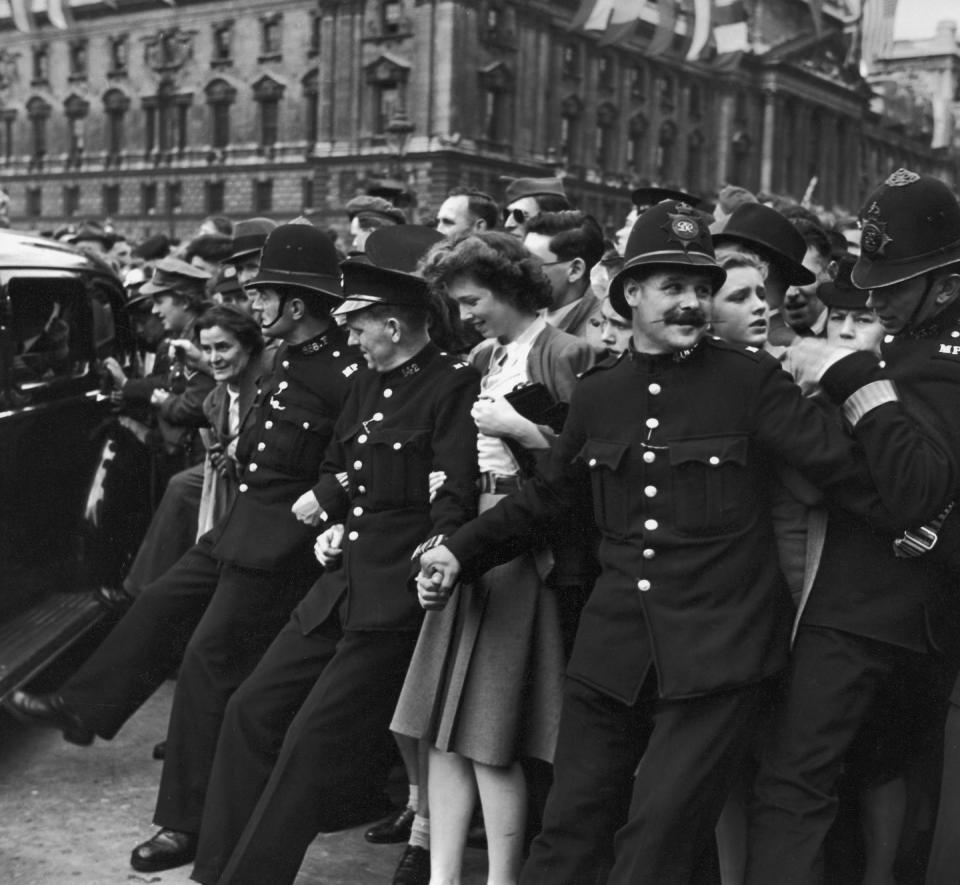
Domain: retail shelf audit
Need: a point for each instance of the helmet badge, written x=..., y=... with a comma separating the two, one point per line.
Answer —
x=874, y=238
x=901, y=178
x=682, y=227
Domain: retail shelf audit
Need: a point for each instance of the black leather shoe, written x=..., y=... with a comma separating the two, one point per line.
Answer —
x=160, y=750
x=50, y=711
x=113, y=599
x=392, y=829
x=414, y=867
x=166, y=850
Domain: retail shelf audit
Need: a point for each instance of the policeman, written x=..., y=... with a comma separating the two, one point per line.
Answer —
x=237, y=586
x=876, y=609
x=341, y=659
x=690, y=616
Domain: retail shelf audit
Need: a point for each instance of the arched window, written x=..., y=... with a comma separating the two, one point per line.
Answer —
x=38, y=112
x=115, y=106
x=267, y=93
x=220, y=96
x=606, y=137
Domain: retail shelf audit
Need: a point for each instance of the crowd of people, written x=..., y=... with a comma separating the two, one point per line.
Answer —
x=638, y=552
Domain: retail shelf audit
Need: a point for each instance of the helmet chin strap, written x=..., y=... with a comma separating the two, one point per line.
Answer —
x=281, y=306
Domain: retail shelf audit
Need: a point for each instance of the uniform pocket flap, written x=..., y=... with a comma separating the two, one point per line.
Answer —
x=712, y=451
x=398, y=438
x=602, y=453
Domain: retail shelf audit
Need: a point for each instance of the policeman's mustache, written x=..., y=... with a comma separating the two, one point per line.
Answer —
x=689, y=316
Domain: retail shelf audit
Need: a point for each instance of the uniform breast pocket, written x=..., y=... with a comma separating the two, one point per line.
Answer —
x=609, y=488
x=711, y=490
x=295, y=442
x=399, y=468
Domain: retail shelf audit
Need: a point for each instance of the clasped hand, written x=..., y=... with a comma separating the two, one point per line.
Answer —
x=439, y=570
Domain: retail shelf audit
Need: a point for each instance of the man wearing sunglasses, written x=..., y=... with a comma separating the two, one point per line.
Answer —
x=528, y=197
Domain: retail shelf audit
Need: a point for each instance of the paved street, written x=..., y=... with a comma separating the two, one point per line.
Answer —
x=72, y=814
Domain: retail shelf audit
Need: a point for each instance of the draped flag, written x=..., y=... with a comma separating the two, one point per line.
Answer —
x=816, y=12
x=22, y=14
x=666, y=26
x=58, y=11
x=730, y=26
x=701, y=29
x=876, y=39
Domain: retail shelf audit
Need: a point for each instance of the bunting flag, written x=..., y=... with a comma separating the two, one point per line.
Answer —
x=876, y=39
x=59, y=13
x=666, y=26
x=22, y=14
x=701, y=29
x=730, y=32
x=816, y=12
x=623, y=20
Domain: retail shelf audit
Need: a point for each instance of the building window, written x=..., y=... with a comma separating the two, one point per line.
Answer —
x=77, y=54
x=694, y=102
x=740, y=158
x=39, y=112
x=605, y=73
x=391, y=17
x=570, y=112
x=214, y=197
x=311, y=107
x=307, y=190
x=119, y=55
x=148, y=198
x=605, y=139
x=8, y=117
x=166, y=120
x=115, y=104
x=222, y=45
x=111, y=199
x=570, y=61
x=271, y=34
x=263, y=196
x=695, y=147
x=267, y=93
x=496, y=84
x=174, y=197
x=76, y=110
x=665, y=92
x=40, y=70
x=636, y=142
x=665, y=150
x=71, y=200
x=313, y=47
x=34, y=201
x=638, y=83
x=386, y=105
x=220, y=98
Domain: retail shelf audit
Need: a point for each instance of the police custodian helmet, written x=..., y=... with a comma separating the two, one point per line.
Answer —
x=299, y=255
x=911, y=226
x=670, y=234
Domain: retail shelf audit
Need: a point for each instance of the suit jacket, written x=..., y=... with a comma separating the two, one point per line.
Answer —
x=280, y=449
x=678, y=483
x=395, y=429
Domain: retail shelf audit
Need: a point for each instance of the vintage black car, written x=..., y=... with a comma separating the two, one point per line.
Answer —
x=61, y=312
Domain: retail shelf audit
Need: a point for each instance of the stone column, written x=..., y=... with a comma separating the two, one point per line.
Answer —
x=768, y=147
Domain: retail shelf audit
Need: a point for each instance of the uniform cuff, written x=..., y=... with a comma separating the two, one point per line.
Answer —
x=877, y=393
x=848, y=373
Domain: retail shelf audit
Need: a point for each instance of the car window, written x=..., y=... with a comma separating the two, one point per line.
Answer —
x=51, y=323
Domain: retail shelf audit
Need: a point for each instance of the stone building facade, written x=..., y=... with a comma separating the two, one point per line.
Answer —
x=157, y=115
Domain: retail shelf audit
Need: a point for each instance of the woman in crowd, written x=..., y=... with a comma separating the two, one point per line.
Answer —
x=484, y=684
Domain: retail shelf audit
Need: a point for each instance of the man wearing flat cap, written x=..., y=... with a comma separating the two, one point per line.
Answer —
x=527, y=197
x=368, y=214
x=335, y=671
x=235, y=588
x=689, y=619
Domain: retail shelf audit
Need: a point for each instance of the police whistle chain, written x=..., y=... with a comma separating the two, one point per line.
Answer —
x=922, y=540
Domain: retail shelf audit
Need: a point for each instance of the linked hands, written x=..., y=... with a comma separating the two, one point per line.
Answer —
x=439, y=570
x=328, y=548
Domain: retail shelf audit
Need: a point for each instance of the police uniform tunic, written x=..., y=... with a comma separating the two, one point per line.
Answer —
x=871, y=618
x=337, y=667
x=690, y=612
x=265, y=555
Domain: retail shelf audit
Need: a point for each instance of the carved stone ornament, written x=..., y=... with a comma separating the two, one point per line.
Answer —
x=169, y=50
x=9, y=75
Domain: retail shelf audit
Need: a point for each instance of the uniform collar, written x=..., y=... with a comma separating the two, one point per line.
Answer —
x=661, y=360
x=943, y=322
x=317, y=343
x=414, y=365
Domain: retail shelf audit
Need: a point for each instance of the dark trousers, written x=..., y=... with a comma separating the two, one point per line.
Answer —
x=837, y=681
x=246, y=611
x=637, y=790
x=305, y=742
x=145, y=646
x=943, y=867
x=172, y=532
